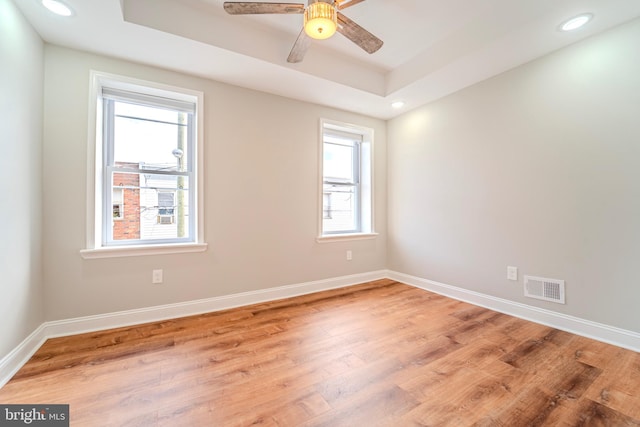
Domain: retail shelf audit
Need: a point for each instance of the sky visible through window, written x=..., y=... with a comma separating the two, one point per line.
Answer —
x=338, y=161
x=146, y=135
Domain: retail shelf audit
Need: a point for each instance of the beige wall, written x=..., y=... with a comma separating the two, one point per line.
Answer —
x=261, y=200
x=537, y=168
x=21, y=76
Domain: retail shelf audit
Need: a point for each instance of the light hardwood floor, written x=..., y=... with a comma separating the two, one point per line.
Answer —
x=376, y=354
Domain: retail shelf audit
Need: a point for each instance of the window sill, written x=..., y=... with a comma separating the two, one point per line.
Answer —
x=342, y=237
x=127, y=251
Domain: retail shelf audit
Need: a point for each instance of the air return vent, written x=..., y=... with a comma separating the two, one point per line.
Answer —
x=544, y=289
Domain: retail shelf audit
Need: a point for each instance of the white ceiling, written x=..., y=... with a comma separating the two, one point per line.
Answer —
x=432, y=47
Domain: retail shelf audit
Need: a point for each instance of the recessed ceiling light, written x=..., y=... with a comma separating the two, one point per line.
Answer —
x=397, y=104
x=57, y=7
x=576, y=22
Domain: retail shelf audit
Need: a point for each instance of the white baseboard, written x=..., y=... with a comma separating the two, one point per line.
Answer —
x=598, y=331
x=119, y=319
x=11, y=363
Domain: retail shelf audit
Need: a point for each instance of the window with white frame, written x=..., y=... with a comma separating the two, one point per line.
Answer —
x=346, y=180
x=147, y=141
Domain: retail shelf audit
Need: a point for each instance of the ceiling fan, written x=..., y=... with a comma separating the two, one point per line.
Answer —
x=322, y=18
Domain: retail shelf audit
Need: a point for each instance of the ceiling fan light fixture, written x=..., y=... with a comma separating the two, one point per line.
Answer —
x=320, y=20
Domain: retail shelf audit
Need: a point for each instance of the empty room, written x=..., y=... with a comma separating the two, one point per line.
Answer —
x=320, y=213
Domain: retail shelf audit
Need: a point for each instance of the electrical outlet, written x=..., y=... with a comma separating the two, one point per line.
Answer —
x=156, y=276
x=349, y=255
x=512, y=273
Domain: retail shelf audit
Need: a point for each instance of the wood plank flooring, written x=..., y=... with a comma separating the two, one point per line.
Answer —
x=377, y=354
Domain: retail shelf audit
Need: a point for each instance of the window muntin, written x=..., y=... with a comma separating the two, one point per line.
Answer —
x=346, y=180
x=147, y=152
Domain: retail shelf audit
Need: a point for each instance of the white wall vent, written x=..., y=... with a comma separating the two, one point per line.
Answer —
x=544, y=289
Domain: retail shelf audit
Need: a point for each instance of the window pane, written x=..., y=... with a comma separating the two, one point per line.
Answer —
x=155, y=207
x=339, y=208
x=338, y=162
x=117, y=196
x=166, y=202
x=149, y=137
x=117, y=200
x=117, y=211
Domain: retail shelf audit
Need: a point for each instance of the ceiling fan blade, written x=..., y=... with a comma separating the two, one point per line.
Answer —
x=299, y=48
x=257, y=8
x=358, y=35
x=347, y=3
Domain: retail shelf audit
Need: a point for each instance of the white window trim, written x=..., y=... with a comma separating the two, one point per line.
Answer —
x=94, y=247
x=328, y=238
x=367, y=159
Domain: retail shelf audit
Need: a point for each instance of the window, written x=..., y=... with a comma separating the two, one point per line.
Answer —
x=166, y=207
x=147, y=142
x=117, y=201
x=326, y=205
x=346, y=181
